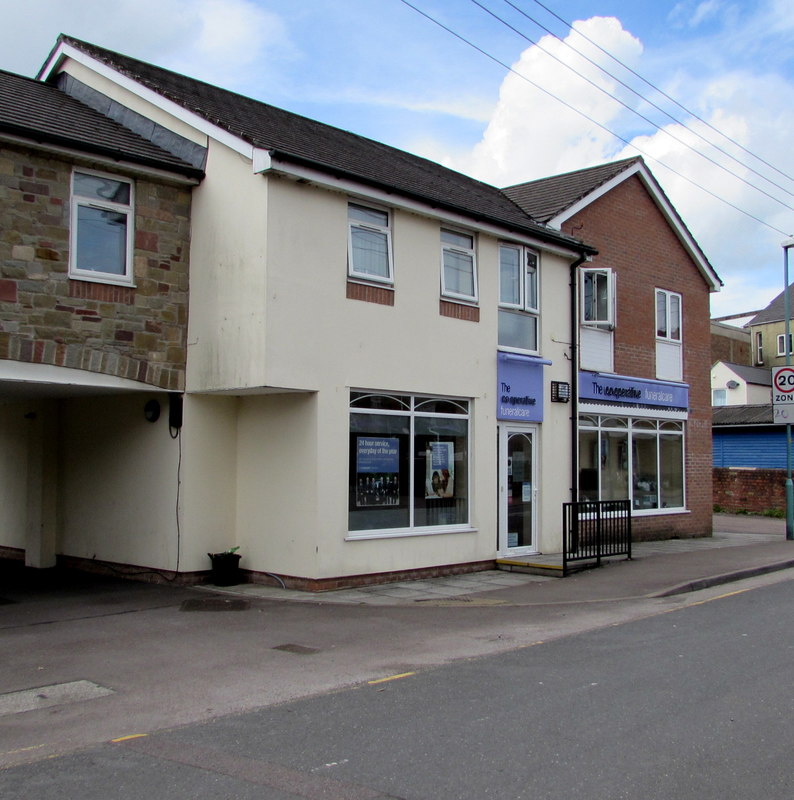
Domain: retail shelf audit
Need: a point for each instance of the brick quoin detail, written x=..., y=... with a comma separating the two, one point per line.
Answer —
x=135, y=332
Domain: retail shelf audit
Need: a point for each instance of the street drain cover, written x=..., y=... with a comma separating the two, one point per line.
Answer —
x=297, y=648
x=215, y=604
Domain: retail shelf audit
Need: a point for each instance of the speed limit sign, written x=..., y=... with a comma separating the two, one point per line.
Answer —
x=783, y=394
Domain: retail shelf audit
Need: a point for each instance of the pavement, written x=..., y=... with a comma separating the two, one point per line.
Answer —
x=88, y=660
x=742, y=546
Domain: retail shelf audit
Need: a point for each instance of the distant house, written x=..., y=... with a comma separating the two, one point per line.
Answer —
x=740, y=385
x=768, y=332
x=730, y=343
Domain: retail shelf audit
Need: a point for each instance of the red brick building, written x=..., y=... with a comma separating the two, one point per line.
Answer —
x=643, y=344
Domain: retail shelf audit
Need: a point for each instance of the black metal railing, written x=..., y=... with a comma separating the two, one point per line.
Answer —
x=595, y=529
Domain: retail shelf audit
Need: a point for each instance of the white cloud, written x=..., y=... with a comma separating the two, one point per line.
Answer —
x=219, y=41
x=233, y=41
x=532, y=133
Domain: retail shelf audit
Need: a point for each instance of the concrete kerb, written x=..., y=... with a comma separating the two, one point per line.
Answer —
x=727, y=577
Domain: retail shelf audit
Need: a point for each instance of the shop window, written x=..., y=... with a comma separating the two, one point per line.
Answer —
x=518, y=298
x=458, y=266
x=408, y=465
x=369, y=244
x=640, y=460
x=101, y=228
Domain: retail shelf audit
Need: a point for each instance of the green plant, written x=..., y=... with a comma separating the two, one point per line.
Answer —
x=230, y=551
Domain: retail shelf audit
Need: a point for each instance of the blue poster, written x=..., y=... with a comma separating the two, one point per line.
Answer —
x=378, y=471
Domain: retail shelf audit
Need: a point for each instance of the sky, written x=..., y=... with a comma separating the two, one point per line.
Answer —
x=506, y=91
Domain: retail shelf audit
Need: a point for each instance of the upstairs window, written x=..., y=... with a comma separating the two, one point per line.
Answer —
x=669, y=355
x=781, y=344
x=598, y=298
x=369, y=244
x=518, y=297
x=458, y=266
x=668, y=315
x=101, y=230
x=759, y=348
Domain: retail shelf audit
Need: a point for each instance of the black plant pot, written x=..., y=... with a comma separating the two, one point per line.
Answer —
x=225, y=569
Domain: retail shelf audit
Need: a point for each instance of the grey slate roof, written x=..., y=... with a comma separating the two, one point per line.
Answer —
x=301, y=140
x=776, y=310
x=742, y=415
x=762, y=376
x=545, y=198
x=33, y=110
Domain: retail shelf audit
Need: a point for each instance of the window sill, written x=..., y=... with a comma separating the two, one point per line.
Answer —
x=370, y=293
x=106, y=280
x=459, y=310
x=658, y=512
x=400, y=533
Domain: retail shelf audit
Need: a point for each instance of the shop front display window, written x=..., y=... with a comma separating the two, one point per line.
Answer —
x=650, y=451
x=409, y=464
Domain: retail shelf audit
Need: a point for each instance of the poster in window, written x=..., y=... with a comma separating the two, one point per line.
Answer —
x=440, y=475
x=377, y=471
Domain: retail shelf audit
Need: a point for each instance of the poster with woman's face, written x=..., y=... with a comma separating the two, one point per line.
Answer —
x=440, y=475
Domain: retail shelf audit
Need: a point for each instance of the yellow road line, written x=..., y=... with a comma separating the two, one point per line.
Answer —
x=127, y=738
x=391, y=678
x=720, y=597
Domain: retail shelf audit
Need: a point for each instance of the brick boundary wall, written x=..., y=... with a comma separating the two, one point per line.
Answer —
x=749, y=489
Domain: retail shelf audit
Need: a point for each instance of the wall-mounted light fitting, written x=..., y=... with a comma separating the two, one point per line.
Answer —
x=151, y=411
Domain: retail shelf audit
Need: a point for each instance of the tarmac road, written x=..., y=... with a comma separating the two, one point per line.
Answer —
x=87, y=661
x=689, y=697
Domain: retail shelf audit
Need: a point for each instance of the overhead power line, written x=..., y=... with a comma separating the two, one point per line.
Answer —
x=660, y=91
x=644, y=99
x=582, y=114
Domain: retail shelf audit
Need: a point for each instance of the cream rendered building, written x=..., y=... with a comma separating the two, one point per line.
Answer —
x=371, y=347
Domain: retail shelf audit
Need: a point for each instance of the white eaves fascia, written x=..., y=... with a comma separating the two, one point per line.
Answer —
x=662, y=203
x=395, y=200
x=64, y=51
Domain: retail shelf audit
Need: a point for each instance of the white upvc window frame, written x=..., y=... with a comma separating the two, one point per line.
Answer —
x=781, y=340
x=370, y=226
x=528, y=301
x=587, y=317
x=668, y=334
x=460, y=250
x=759, y=348
x=84, y=201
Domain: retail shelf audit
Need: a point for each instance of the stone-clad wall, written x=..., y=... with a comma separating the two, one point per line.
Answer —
x=47, y=318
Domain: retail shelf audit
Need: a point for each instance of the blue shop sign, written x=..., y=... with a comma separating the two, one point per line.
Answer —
x=519, y=388
x=617, y=389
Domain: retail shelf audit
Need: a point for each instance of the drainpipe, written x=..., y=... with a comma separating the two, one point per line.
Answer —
x=575, y=376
